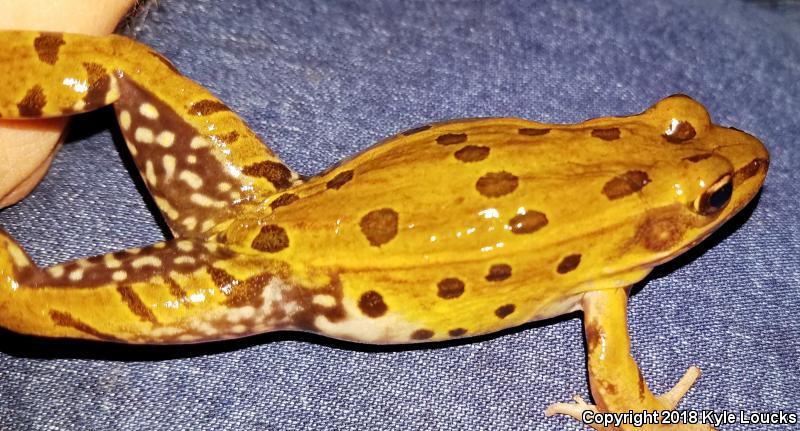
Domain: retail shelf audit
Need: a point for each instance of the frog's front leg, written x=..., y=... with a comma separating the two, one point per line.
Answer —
x=616, y=382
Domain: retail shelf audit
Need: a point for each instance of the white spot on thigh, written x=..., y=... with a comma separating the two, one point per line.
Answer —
x=238, y=329
x=191, y=159
x=235, y=315
x=223, y=186
x=111, y=261
x=131, y=148
x=125, y=119
x=161, y=244
x=165, y=139
x=144, y=135
x=202, y=200
x=198, y=142
x=208, y=224
x=18, y=256
x=166, y=208
x=113, y=93
x=184, y=260
x=192, y=179
x=169, y=166
x=185, y=245
x=167, y=331
x=56, y=271
x=189, y=222
x=146, y=261
x=150, y=173
x=148, y=111
x=76, y=275
x=324, y=300
x=119, y=275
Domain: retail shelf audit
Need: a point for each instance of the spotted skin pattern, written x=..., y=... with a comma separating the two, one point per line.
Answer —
x=446, y=230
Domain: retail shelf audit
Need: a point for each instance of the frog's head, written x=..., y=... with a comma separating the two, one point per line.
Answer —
x=707, y=174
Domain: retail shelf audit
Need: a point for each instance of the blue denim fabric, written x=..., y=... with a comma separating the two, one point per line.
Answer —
x=323, y=80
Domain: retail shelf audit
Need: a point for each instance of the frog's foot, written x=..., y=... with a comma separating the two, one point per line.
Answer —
x=671, y=398
x=574, y=410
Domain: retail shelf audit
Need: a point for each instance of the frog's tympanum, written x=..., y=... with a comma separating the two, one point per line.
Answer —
x=444, y=231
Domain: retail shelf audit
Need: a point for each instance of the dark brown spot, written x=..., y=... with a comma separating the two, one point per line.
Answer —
x=247, y=293
x=498, y=272
x=530, y=131
x=66, y=319
x=99, y=85
x=505, y=310
x=592, y=335
x=755, y=166
x=422, y=334
x=642, y=386
x=416, y=130
x=450, y=288
x=529, y=222
x=608, y=134
x=680, y=132
x=221, y=278
x=451, y=139
x=47, y=46
x=609, y=387
x=136, y=305
x=496, y=184
x=283, y=200
x=277, y=173
x=458, y=332
x=340, y=179
x=229, y=138
x=207, y=107
x=371, y=304
x=31, y=105
x=164, y=60
x=625, y=184
x=272, y=239
x=698, y=157
x=569, y=263
x=472, y=153
x=379, y=226
x=177, y=291
x=660, y=233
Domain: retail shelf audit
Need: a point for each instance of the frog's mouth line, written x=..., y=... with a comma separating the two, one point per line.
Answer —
x=712, y=223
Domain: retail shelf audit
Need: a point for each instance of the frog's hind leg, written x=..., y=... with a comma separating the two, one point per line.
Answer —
x=177, y=291
x=616, y=382
x=199, y=160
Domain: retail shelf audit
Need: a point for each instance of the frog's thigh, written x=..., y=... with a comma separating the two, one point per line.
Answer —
x=616, y=382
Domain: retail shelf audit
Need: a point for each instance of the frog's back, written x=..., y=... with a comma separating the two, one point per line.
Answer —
x=490, y=222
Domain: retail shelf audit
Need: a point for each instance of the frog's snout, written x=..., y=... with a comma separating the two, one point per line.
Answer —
x=749, y=160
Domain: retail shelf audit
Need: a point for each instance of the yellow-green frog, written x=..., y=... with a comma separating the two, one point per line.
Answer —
x=444, y=231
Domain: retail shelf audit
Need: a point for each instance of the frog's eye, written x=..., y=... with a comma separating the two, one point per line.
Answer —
x=715, y=197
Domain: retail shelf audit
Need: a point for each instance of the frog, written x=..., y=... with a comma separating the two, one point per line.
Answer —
x=449, y=230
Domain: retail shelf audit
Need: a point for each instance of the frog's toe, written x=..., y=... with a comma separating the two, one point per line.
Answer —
x=672, y=397
x=574, y=410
